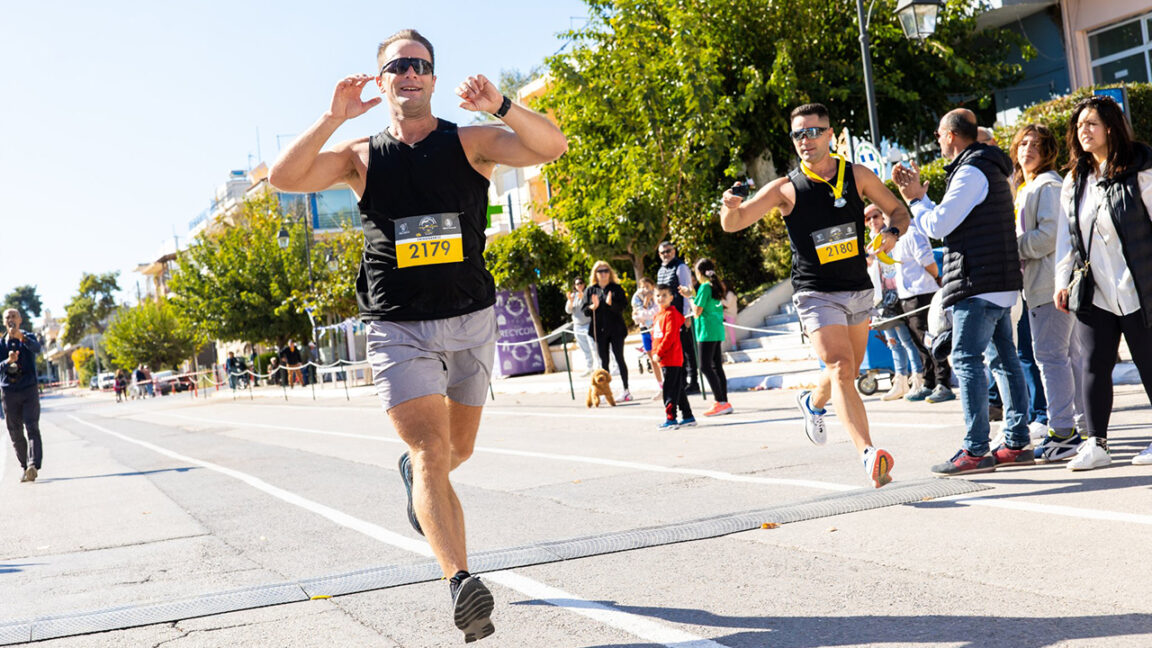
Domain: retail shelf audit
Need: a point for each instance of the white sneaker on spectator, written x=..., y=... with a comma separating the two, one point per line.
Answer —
x=1093, y=453
x=1144, y=458
x=1038, y=431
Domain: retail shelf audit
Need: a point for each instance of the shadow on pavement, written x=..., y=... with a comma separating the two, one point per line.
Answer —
x=954, y=630
x=123, y=474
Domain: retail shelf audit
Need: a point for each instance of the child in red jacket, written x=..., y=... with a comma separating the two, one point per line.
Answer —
x=666, y=350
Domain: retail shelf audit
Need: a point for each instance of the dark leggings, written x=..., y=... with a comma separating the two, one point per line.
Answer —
x=712, y=366
x=1099, y=334
x=616, y=341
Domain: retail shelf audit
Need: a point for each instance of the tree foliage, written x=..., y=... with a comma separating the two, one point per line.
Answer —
x=150, y=333
x=85, y=362
x=666, y=102
x=89, y=310
x=526, y=256
x=24, y=299
x=239, y=284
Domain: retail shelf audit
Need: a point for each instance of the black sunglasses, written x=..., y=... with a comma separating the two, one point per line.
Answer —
x=812, y=132
x=603, y=270
x=667, y=251
x=401, y=65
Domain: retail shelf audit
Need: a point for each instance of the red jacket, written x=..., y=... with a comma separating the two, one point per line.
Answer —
x=667, y=346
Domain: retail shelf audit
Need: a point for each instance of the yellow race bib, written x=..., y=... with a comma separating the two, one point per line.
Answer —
x=836, y=243
x=428, y=240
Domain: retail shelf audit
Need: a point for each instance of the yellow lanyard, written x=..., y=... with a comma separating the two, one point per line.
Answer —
x=838, y=190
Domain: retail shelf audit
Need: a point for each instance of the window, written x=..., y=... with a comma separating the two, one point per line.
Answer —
x=1120, y=52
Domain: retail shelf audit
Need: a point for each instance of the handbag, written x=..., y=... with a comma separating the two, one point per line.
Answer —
x=1081, y=287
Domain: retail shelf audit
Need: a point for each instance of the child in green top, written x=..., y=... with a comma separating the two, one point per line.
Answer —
x=709, y=327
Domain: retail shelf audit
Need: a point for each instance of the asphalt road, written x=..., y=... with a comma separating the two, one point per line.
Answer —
x=173, y=499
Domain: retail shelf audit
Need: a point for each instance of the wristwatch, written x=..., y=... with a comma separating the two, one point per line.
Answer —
x=504, y=108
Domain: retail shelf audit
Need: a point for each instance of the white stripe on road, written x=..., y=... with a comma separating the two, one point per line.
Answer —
x=1066, y=511
x=830, y=419
x=614, y=463
x=635, y=625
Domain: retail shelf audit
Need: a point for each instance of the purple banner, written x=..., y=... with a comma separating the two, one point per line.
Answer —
x=514, y=324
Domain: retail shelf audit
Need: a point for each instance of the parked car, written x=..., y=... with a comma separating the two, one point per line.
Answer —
x=168, y=382
x=102, y=381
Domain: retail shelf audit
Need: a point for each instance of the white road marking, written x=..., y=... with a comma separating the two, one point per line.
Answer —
x=1049, y=509
x=635, y=625
x=615, y=463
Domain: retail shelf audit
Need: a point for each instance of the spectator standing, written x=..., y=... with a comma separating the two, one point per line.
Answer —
x=1033, y=151
x=580, y=322
x=709, y=314
x=290, y=357
x=905, y=360
x=120, y=385
x=675, y=273
x=1105, y=237
x=669, y=353
x=20, y=394
x=644, y=310
x=980, y=282
x=917, y=280
x=604, y=303
x=232, y=368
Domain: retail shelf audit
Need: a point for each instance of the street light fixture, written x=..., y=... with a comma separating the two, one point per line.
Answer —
x=282, y=238
x=918, y=17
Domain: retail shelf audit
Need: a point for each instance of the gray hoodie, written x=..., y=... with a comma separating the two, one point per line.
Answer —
x=1037, y=213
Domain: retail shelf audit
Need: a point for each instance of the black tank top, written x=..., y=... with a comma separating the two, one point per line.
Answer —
x=814, y=213
x=428, y=201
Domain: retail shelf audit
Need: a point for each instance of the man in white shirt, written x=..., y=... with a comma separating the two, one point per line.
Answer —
x=980, y=282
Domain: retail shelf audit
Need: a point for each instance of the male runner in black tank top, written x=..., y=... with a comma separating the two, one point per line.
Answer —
x=823, y=206
x=422, y=288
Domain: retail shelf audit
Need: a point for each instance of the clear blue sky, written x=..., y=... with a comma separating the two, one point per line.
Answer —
x=118, y=119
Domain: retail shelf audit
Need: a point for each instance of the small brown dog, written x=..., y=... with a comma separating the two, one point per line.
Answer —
x=601, y=381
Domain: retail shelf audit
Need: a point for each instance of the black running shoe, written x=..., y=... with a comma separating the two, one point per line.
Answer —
x=472, y=608
x=406, y=477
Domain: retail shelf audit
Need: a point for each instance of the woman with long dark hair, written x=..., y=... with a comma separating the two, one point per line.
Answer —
x=709, y=312
x=604, y=302
x=1033, y=152
x=1104, y=260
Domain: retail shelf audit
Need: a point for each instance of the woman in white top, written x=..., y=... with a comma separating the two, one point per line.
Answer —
x=1106, y=230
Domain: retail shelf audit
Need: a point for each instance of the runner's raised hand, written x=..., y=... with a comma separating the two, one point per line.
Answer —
x=346, y=102
x=478, y=94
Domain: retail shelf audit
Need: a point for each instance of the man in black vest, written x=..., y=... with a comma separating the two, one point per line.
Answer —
x=822, y=202
x=675, y=273
x=20, y=394
x=423, y=290
x=981, y=279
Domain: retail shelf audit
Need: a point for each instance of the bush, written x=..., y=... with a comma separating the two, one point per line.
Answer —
x=85, y=362
x=1056, y=113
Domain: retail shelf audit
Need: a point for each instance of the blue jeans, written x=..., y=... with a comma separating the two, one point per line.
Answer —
x=904, y=352
x=980, y=327
x=1037, y=400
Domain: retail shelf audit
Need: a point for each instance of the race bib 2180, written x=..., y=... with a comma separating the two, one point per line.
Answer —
x=836, y=243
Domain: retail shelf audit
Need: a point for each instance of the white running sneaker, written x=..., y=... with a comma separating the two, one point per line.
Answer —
x=813, y=421
x=1093, y=453
x=878, y=464
x=625, y=396
x=1038, y=431
x=1144, y=458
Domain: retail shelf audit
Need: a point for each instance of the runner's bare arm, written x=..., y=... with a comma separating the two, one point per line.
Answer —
x=304, y=167
x=534, y=139
x=873, y=188
x=735, y=214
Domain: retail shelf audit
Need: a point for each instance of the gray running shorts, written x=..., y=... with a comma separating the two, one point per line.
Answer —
x=844, y=308
x=451, y=357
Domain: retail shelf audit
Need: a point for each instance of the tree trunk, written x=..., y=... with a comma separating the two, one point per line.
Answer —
x=549, y=366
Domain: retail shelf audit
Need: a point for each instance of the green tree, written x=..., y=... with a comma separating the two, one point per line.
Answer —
x=24, y=299
x=150, y=333
x=525, y=256
x=239, y=284
x=89, y=310
x=335, y=262
x=666, y=102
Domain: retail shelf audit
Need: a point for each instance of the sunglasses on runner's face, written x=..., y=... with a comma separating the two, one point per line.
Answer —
x=401, y=65
x=812, y=132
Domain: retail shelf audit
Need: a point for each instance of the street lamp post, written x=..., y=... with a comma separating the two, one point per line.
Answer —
x=918, y=20
x=283, y=239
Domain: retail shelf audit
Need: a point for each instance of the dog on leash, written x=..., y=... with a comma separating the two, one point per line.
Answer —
x=601, y=386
